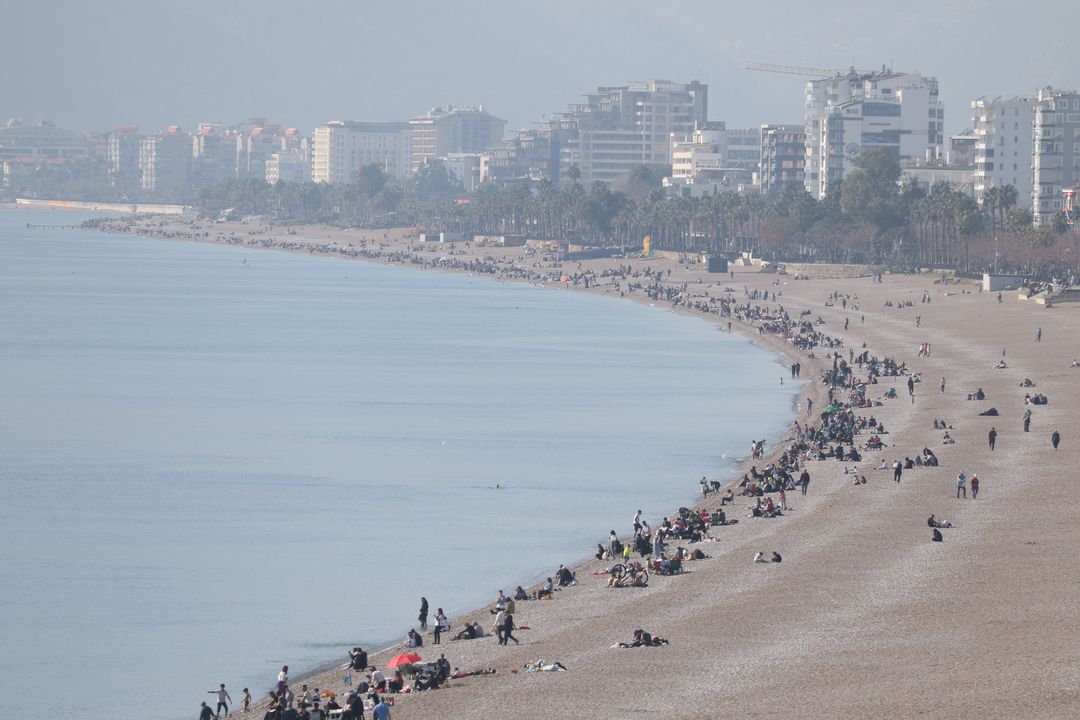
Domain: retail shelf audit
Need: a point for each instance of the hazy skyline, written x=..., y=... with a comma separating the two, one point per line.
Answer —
x=93, y=65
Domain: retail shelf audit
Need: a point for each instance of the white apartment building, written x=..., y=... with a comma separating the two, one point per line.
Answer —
x=713, y=159
x=617, y=129
x=290, y=166
x=165, y=163
x=1056, y=145
x=700, y=157
x=340, y=148
x=453, y=130
x=898, y=111
x=1003, y=145
x=122, y=148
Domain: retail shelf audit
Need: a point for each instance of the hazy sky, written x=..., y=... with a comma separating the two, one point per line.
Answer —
x=91, y=64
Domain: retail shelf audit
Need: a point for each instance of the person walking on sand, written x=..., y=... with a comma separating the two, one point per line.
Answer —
x=804, y=480
x=809, y=407
x=246, y=700
x=423, y=613
x=1038, y=335
x=499, y=625
x=222, y=697
x=897, y=471
x=1027, y=420
x=1055, y=438
x=992, y=437
x=508, y=630
x=961, y=486
x=974, y=486
x=942, y=383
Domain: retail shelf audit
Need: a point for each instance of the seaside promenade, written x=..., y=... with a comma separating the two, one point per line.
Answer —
x=865, y=617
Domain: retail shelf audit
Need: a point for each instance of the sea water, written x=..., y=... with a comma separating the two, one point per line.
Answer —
x=217, y=460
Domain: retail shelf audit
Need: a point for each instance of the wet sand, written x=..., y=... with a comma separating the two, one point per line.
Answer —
x=865, y=617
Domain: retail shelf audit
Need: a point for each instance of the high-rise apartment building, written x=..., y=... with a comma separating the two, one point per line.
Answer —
x=1056, y=147
x=165, y=164
x=122, y=158
x=453, y=130
x=213, y=155
x=783, y=157
x=848, y=113
x=253, y=149
x=1003, y=145
x=340, y=148
x=617, y=129
x=290, y=166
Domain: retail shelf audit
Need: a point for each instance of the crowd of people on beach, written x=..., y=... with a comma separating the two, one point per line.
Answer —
x=846, y=431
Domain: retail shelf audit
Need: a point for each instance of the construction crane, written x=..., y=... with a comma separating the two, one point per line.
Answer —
x=807, y=71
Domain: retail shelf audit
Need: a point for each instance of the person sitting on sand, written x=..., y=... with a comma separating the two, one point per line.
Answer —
x=397, y=682
x=545, y=592
x=935, y=523
x=469, y=632
x=520, y=594
x=937, y=536
x=727, y=497
x=760, y=558
x=776, y=557
x=948, y=439
x=414, y=639
x=643, y=639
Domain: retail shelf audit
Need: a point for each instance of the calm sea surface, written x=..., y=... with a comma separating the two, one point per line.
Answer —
x=210, y=468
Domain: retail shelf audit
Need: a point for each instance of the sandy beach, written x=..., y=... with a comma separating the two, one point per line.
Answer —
x=865, y=617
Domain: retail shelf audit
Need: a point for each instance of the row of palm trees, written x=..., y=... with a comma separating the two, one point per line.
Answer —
x=942, y=226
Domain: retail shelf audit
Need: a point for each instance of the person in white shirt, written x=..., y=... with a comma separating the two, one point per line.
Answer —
x=283, y=681
x=378, y=680
x=222, y=697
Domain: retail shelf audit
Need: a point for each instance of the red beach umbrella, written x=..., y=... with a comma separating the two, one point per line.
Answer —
x=403, y=659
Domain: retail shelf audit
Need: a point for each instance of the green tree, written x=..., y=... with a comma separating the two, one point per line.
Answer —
x=871, y=194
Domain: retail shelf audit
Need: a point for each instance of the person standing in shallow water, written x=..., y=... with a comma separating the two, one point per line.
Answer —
x=423, y=613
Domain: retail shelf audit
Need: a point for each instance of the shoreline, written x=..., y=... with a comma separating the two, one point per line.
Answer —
x=830, y=613
x=763, y=342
